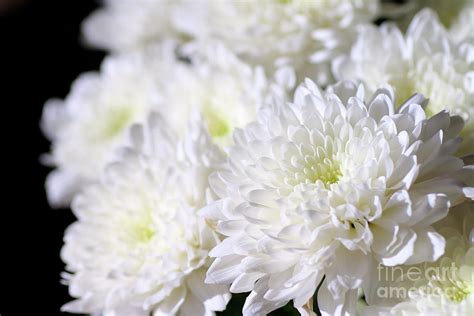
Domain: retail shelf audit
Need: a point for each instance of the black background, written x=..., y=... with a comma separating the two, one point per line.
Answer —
x=41, y=54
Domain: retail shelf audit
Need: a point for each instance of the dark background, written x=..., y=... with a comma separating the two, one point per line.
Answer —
x=41, y=55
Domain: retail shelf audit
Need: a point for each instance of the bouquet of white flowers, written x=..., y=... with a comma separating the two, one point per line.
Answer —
x=317, y=153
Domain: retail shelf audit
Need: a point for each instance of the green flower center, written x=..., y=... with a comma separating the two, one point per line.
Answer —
x=326, y=171
x=116, y=122
x=217, y=124
x=142, y=231
x=455, y=286
x=457, y=293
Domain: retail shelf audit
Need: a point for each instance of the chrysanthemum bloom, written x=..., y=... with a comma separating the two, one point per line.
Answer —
x=328, y=186
x=138, y=247
x=94, y=119
x=427, y=59
x=261, y=32
x=224, y=89
x=443, y=288
x=127, y=25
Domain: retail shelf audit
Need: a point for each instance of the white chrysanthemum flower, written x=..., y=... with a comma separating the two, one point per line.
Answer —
x=443, y=288
x=425, y=60
x=282, y=31
x=138, y=246
x=260, y=33
x=331, y=180
x=224, y=89
x=127, y=25
x=94, y=119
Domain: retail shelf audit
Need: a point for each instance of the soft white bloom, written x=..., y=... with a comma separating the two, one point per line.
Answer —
x=262, y=32
x=224, y=89
x=93, y=120
x=426, y=60
x=329, y=185
x=281, y=32
x=138, y=246
x=126, y=25
x=443, y=288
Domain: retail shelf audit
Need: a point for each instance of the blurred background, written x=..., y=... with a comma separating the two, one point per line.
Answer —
x=41, y=54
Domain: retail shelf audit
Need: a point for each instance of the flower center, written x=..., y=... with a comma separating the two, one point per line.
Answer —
x=453, y=285
x=116, y=121
x=327, y=171
x=458, y=292
x=217, y=124
x=141, y=231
